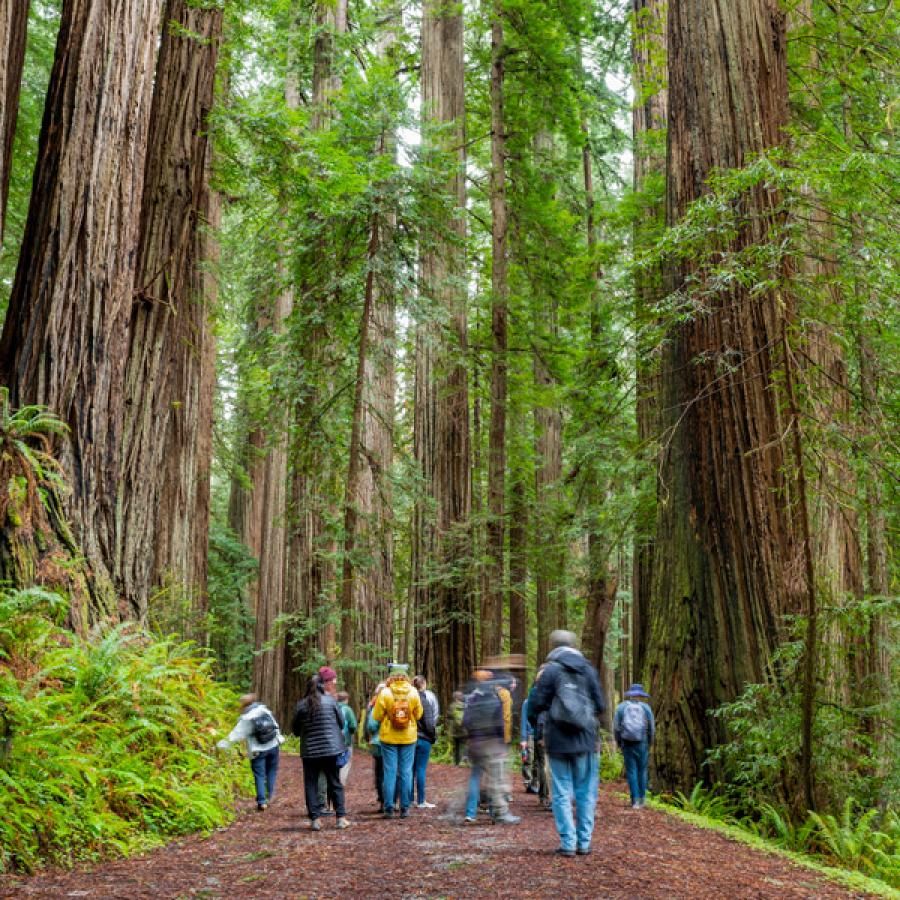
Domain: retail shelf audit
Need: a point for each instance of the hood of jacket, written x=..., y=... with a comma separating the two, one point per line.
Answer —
x=400, y=686
x=569, y=657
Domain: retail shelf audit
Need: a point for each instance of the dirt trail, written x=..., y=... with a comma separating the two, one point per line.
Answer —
x=643, y=854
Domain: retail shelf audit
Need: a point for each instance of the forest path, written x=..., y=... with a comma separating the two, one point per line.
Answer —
x=275, y=855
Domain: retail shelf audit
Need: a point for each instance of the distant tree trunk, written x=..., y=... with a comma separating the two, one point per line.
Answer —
x=65, y=338
x=13, y=32
x=166, y=441
x=601, y=601
x=518, y=569
x=649, y=115
x=728, y=562
x=492, y=599
x=443, y=266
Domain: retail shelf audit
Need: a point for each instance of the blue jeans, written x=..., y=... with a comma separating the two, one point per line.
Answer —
x=574, y=777
x=265, y=771
x=397, y=760
x=637, y=759
x=423, y=754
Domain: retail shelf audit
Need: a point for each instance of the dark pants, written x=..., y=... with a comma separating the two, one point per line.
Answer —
x=459, y=746
x=265, y=771
x=378, y=769
x=326, y=765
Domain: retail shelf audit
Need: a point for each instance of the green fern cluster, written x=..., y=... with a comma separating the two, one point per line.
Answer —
x=866, y=841
x=106, y=743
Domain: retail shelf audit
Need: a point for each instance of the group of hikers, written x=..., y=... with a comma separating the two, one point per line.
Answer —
x=558, y=741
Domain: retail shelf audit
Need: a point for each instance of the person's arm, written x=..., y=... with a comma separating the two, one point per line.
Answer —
x=651, y=732
x=417, y=707
x=379, y=710
x=429, y=723
x=240, y=732
x=297, y=721
x=541, y=695
x=532, y=712
x=617, y=725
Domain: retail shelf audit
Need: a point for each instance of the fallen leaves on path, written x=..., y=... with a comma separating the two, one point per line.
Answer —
x=636, y=854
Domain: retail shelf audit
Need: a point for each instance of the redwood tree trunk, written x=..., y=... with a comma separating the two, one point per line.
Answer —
x=492, y=599
x=649, y=115
x=452, y=643
x=727, y=561
x=13, y=31
x=169, y=381
x=65, y=338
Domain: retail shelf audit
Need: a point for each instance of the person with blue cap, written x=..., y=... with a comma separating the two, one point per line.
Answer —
x=635, y=728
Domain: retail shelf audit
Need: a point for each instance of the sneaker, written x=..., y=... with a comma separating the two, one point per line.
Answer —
x=425, y=805
x=315, y=825
x=387, y=814
x=404, y=813
x=568, y=854
x=342, y=823
x=469, y=820
x=508, y=819
x=262, y=806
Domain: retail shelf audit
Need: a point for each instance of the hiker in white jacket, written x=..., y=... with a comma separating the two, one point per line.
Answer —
x=256, y=726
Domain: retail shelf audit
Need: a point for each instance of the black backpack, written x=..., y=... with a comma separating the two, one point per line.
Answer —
x=265, y=728
x=483, y=715
x=572, y=708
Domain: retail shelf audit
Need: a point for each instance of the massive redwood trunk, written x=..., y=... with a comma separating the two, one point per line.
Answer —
x=492, y=599
x=13, y=31
x=65, y=338
x=169, y=379
x=727, y=562
x=649, y=116
x=452, y=640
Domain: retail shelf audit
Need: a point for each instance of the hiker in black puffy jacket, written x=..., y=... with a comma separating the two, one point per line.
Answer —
x=570, y=681
x=319, y=722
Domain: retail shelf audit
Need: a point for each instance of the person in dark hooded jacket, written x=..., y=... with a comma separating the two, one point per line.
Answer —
x=319, y=723
x=570, y=683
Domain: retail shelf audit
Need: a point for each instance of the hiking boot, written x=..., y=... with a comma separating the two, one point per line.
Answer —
x=387, y=814
x=508, y=819
x=262, y=806
x=425, y=805
x=315, y=825
x=583, y=851
x=404, y=813
x=568, y=854
x=342, y=823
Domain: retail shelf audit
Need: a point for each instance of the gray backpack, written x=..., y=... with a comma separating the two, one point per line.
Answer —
x=634, y=721
x=572, y=708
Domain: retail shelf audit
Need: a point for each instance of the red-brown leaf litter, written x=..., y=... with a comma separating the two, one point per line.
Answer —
x=273, y=854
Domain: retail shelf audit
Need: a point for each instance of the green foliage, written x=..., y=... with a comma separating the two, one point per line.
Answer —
x=703, y=801
x=229, y=619
x=106, y=740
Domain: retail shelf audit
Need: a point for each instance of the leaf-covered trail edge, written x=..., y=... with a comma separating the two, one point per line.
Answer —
x=273, y=854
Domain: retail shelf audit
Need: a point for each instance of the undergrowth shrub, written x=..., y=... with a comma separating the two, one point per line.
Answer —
x=106, y=742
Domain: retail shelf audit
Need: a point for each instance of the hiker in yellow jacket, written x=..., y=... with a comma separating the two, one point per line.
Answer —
x=398, y=709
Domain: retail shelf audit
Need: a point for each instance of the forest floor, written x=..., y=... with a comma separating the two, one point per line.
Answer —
x=636, y=854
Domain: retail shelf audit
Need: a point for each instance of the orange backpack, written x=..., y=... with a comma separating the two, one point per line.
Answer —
x=400, y=713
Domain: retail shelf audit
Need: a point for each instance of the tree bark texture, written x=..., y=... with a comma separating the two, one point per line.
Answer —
x=728, y=560
x=13, y=33
x=443, y=266
x=492, y=598
x=169, y=374
x=601, y=602
x=649, y=116
x=65, y=338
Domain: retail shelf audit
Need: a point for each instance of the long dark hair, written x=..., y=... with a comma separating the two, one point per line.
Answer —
x=313, y=696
